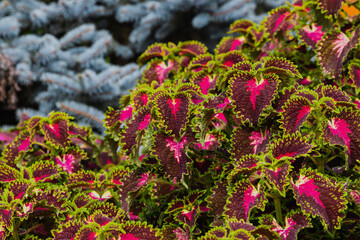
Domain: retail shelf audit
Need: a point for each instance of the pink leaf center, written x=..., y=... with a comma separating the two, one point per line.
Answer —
x=188, y=213
x=209, y=140
x=54, y=128
x=288, y=154
x=257, y=138
x=237, y=42
x=162, y=70
x=305, y=110
x=66, y=163
x=340, y=43
x=25, y=144
x=126, y=113
x=250, y=195
x=339, y=127
x=174, y=104
x=279, y=21
x=284, y=232
x=128, y=236
x=145, y=122
x=255, y=89
x=306, y=186
x=176, y=147
x=205, y=84
x=143, y=179
x=314, y=33
x=144, y=98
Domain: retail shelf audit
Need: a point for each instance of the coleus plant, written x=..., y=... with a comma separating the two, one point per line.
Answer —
x=258, y=140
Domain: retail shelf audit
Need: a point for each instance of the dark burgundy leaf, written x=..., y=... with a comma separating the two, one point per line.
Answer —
x=217, y=200
x=82, y=178
x=241, y=25
x=228, y=44
x=11, y=151
x=331, y=7
x=173, y=111
x=155, y=50
x=284, y=96
x=42, y=171
x=138, y=231
x=139, y=122
x=276, y=20
x=200, y=63
x=243, y=198
x=354, y=71
x=18, y=188
x=106, y=208
x=278, y=176
x=311, y=35
x=294, y=222
x=317, y=195
x=171, y=153
x=8, y=174
x=67, y=231
x=279, y=65
x=56, y=132
x=205, y=81
x=87, y=232
x=192, y=47
x=341, y=128
x=294, y=114
x=250, y=95
x=232, y=58
x=290, y=146
x=52, y=197
x=333, y=48
x=158, y=70
x=70, y=161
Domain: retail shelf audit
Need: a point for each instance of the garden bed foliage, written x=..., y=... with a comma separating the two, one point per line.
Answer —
x=257, y=140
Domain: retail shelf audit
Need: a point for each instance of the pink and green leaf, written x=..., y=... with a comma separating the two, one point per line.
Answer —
x=241, y=25
x=159, y=71
x=43, y=171
x=311, y=35
x=231, y=58
x=156, y=50
x=174, y=111
x=12, y=151
x=333, y=48
x=18, y=188
x=138, y=123
x=354, y=71
x=8, y=174
x=280, y=65
x=295, y=113
x=193, y=48
x=276, y=20
x=228, y=44
x=82, y=179
x=330, y=7
x=67, y=230
x=278, y=176
x=56, y=132
x=291, y=146
x=243, y=198
x=317, y=195
x=250, y=96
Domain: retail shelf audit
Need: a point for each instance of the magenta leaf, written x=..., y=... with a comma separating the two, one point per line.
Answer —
x=333, y=92
x=319, y=195
x=171, y=153
x=173, y=111
x=341, y=128
x=228, y=44
x=276, y=20
x=51, y=198
x=333, y=48
x=331, y=7
x=250, y=95
x=278, y=176
x=88, y=232
x=243, y=198
x=294, y=114
x=291, y=146
x=259, y=140
x=138, y=122
x=311, y=35
x=70, y=161
x=246, y=165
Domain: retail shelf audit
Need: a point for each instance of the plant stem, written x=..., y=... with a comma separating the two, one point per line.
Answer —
x=278, y=212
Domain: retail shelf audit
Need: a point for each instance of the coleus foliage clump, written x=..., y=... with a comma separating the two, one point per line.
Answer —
x=258, y=140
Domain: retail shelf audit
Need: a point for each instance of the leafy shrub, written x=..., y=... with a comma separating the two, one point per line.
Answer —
x=258, y=140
